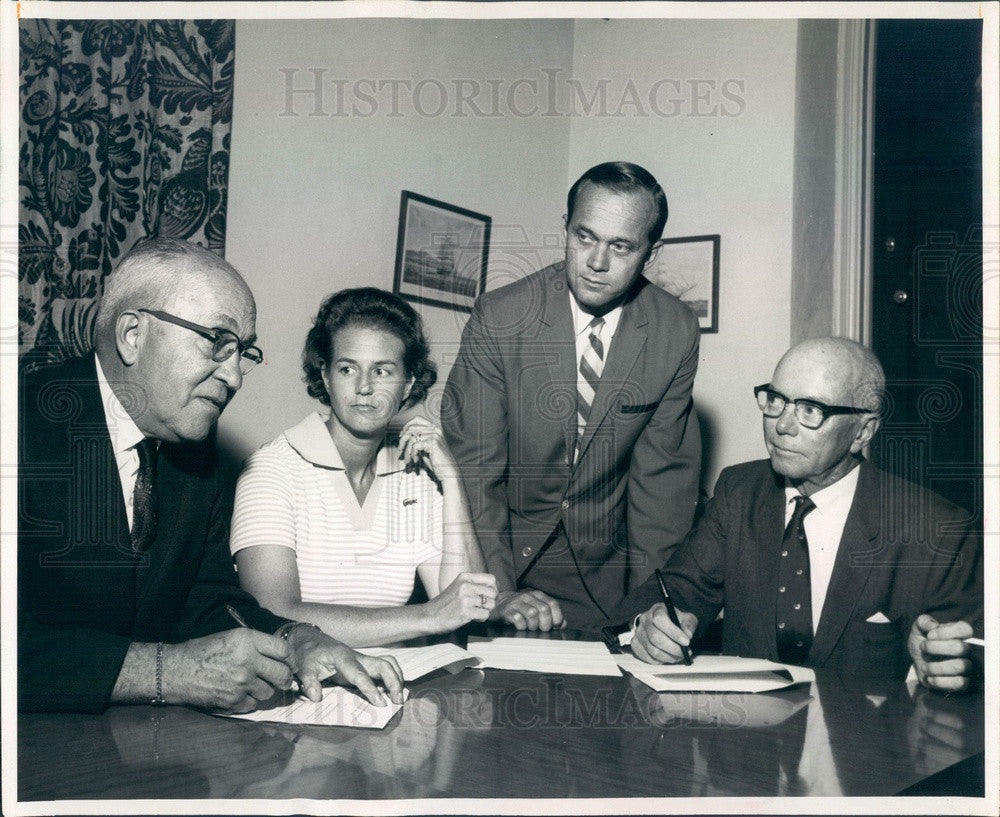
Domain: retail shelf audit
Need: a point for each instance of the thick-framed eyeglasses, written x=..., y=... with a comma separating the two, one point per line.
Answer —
x=809, y=413
x=224, y=343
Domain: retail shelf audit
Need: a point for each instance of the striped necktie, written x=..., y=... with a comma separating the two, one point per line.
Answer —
x=589, y=374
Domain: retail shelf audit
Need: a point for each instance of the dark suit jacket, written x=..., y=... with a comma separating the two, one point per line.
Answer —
x=509, y=415
x=83, y=595
x=904, y=551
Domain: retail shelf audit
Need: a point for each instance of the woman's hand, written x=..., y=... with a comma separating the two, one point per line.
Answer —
x=422, y=442
x=470, y=597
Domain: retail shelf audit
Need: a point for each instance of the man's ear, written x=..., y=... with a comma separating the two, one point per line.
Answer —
x=565, y=225
x=653, y=251
x=128, y=337
x=865, y=434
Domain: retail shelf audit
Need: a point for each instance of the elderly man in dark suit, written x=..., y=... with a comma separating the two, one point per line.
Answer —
x=569, y=413
x=818, y=557
x=126, y=590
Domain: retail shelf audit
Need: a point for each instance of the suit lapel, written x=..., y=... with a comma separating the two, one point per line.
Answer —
x=556, y=328
x=850, y=575
x=625, y=348
x=768, y=530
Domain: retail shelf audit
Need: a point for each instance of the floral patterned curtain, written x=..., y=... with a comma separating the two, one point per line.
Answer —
x=125, y=129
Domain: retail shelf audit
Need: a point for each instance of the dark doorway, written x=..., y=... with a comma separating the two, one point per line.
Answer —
x=927, y=233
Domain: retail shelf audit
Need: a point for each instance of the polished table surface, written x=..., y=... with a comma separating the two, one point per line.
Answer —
x=501, y=734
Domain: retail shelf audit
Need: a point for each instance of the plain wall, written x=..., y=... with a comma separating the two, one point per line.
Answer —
x=725, y=161
x=314, y=200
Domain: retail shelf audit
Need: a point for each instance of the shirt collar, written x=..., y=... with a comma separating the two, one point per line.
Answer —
x=124, y=433
x=581, y=320
x=833, y=497
x=312, y=441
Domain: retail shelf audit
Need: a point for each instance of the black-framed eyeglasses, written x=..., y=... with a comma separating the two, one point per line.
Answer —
x=809, y=413
x=224, y=343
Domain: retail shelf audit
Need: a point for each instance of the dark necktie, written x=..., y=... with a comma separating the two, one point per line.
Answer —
x=144, y=497
x=793, y=610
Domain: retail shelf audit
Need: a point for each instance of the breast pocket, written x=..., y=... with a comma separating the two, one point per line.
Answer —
x=637, y=408
x=875, y=650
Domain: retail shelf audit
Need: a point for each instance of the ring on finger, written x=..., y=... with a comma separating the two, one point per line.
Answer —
x=482, y=600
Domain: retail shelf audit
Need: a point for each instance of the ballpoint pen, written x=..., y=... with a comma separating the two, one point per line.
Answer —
x=237, y=617
x=242, y=622
x=673, y=614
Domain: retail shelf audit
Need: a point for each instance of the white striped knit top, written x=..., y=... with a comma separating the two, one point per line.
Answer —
x=294, y=492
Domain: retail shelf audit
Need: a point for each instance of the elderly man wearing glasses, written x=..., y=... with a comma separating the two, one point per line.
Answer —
x=126, y=590
x=818, y=557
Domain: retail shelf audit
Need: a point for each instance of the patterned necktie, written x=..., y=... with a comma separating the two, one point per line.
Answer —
x=589, y=374
x=793, y=610
x=144, y=497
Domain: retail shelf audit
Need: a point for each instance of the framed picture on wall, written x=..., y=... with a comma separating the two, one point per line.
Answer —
x=441, y=253
x=688, y=268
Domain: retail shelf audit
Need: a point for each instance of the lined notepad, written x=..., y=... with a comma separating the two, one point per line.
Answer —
x=416, y=662
x=339, y=707
x=544, y=655
x=716, y=673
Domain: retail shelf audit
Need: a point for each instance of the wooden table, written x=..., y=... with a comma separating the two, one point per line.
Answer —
x=498, y=734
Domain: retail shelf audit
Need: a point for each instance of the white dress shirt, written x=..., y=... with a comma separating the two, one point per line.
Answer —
x=581, y=327
x=125, y=435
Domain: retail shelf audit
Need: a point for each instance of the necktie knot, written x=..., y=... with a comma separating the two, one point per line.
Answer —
x=595, y=336
x=146, y=449
x=803, y=505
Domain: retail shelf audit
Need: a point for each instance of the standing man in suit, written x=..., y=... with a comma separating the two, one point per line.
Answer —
x=569, y=413
x=819, y=557
x=124, y=576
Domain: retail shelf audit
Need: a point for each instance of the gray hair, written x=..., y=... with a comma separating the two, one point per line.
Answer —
x=149, y=276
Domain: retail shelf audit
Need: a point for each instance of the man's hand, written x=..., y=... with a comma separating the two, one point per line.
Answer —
x=939, y=653
x=658, y=640
x=470, y=597
x=529, y=610
x=316, y=656
x=227, y=672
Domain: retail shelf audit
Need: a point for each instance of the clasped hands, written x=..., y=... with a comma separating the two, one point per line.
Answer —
x=234, y=671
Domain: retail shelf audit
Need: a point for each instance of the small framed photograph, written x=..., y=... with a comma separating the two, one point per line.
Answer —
x=688, y=268
x=441, y=253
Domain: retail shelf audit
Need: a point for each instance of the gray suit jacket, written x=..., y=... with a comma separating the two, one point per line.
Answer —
x=904, y=551
x=510, y=418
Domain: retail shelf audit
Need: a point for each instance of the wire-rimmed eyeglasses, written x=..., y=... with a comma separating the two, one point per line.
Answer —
x=809, y=413
x=224, y=343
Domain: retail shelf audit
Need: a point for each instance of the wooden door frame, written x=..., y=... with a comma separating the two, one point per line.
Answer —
x=852, y=234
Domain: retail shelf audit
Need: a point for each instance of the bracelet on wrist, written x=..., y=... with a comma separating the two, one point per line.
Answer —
x=285, y=629
x=158, y=700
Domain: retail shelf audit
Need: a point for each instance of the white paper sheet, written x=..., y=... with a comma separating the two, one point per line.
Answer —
x=339, y=707
x=545, y=655
x=416, y=662
x=716, y=673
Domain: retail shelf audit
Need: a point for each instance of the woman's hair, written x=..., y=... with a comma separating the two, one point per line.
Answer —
x=372, y=309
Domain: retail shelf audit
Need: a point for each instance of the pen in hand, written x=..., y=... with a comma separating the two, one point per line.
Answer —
x=234, y=613
x=673, y=614
x=237, y=617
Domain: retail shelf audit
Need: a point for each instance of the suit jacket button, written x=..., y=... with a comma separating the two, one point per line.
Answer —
x=526, y=552
x=565, y=504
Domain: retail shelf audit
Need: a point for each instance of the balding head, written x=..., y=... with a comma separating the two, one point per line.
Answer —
x=854, y=369
x=834, y=372
x=153, y=274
